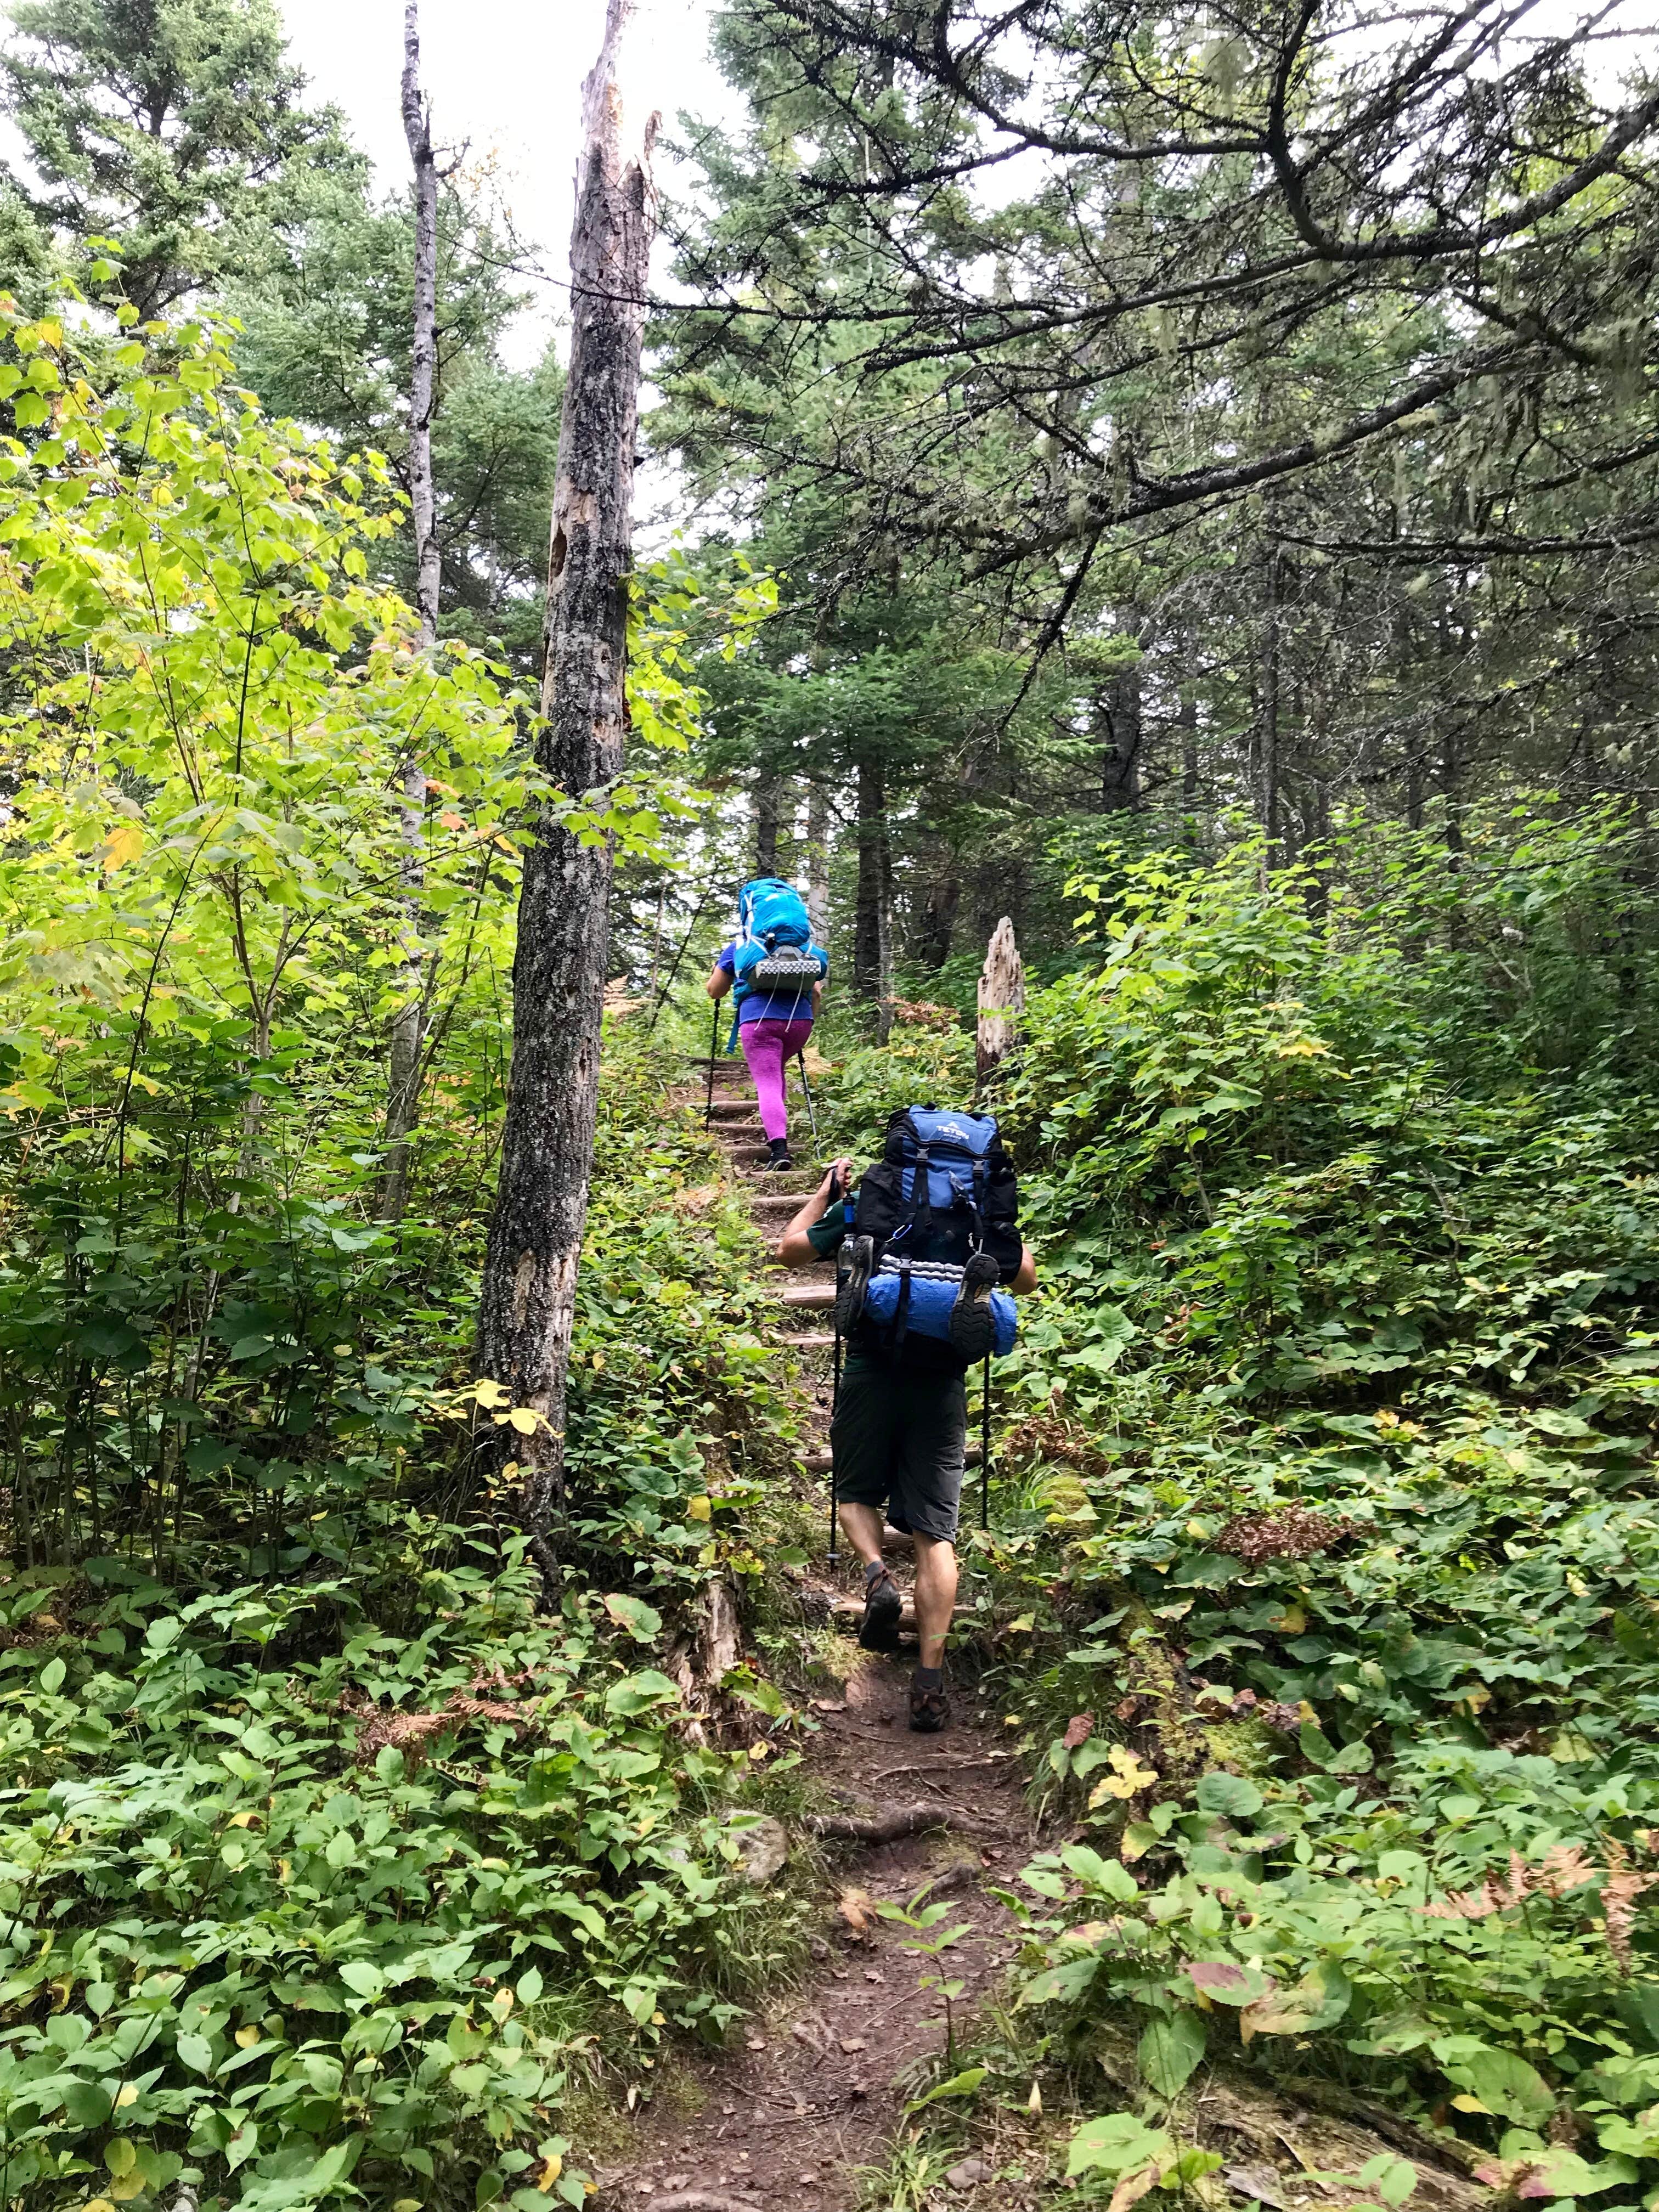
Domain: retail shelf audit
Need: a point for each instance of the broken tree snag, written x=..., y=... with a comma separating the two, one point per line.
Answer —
x=1001, y=1001
x=527, y=1296
x=409, y=1022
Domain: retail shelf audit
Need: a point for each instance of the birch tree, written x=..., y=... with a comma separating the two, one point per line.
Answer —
x=403, y=1089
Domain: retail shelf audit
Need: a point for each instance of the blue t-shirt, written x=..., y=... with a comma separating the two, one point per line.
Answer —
x=771, y=1006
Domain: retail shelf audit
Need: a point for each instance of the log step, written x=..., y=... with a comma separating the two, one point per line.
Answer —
x=848, y=1611
x=808, y=1294
x=805, y=1342
x=820, y=1463
x=776, y=1201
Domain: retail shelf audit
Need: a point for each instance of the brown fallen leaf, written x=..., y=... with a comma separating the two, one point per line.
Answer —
x=1079, y=1730
x=856, y=1909
x=851, y=2043
x=829, y=1705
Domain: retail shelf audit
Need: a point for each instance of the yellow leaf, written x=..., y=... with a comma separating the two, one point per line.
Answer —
x=125, y=2095
x=1133, y=2188
x=525, y=1420
x=129, y=2185
x=100, y=2204
x=247, y=2037
x=550, y=2174
x=1291, y=1622
x=698, y=1509
x=490, y=1394
x=124, y=843
x=243, y=1819
x=120, y=2155
x=1024, y=1625
x=1467, y=2103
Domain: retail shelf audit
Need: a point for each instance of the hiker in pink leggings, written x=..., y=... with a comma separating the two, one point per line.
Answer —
x=772, y=1029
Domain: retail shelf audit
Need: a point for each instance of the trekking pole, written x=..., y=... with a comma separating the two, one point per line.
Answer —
x=713, y=1045
x=812, y=1112
x=835, y=1399
x=985, y=1448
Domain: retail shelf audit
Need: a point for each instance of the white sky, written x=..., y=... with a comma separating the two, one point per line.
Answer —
x=505, y=76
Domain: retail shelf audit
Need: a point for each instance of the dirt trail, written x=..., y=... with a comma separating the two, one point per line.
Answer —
x=816, y=2086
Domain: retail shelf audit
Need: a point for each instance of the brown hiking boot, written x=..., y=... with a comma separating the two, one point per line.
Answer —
x=882, y=1607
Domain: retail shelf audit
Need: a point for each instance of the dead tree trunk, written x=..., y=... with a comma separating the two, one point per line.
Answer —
x=403, y=1093
x=1001, y=1002
x=527, y=1298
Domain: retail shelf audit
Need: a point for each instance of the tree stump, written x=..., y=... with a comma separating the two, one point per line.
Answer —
x=1001, y=1002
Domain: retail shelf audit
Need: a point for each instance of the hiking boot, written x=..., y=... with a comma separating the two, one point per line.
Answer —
x=780, y=1155
x=973, y=1325
x=879, y=1629
x=930, y=1710
x=849, y=1294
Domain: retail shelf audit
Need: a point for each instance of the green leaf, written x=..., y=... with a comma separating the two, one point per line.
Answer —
x=1228, y=1795
x=639, y=1692
x=959, y=2085
x=88, y=2104
x=363, y=1976
x=1168, y=2051
x=635, y=1615
x=52, y=1676
x=195, y=2052
x=1504, y=2083
x=1117, y=2143
x=1318, y=2001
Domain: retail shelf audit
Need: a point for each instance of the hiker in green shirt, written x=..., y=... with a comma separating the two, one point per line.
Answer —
x=899, y=1443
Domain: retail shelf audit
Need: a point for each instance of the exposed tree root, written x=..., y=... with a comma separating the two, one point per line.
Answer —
x=890, y=1827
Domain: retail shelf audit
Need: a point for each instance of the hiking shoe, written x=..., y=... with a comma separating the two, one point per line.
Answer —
x=973, y=1325
x=781, y=1155
x=879, y=1629
x=930, y=1710
x=849, y=1295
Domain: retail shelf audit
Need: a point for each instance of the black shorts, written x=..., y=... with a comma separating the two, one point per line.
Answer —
x=900, y=1441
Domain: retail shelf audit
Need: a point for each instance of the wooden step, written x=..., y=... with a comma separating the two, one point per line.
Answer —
x=808, y=1294
x=820, y=1463
x=805, y=1342
x=849, y=1613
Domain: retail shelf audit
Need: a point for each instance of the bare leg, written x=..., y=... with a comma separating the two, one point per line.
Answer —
x=936, y=1593
x=862, y=1525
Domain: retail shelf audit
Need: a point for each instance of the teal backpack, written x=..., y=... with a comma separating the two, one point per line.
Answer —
x=774, y=952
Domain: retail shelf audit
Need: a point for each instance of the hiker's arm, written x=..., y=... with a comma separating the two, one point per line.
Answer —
x=795, y=1246
x=1026, y=1278
x=719, y=982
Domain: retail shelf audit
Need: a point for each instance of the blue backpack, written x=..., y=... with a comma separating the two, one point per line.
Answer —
x=944, y=1191
x=774, y=952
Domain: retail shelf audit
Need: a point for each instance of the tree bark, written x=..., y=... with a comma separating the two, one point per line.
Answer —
x=872, y=947
x=527, y=1298
x=768, y=793
x=818, y=861
x=403, y=1091
x=1118, y=725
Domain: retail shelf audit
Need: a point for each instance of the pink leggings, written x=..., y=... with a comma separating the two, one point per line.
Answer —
x=767, y=1046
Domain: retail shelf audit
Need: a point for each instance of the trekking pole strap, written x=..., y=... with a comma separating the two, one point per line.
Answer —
x=714, y=1042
